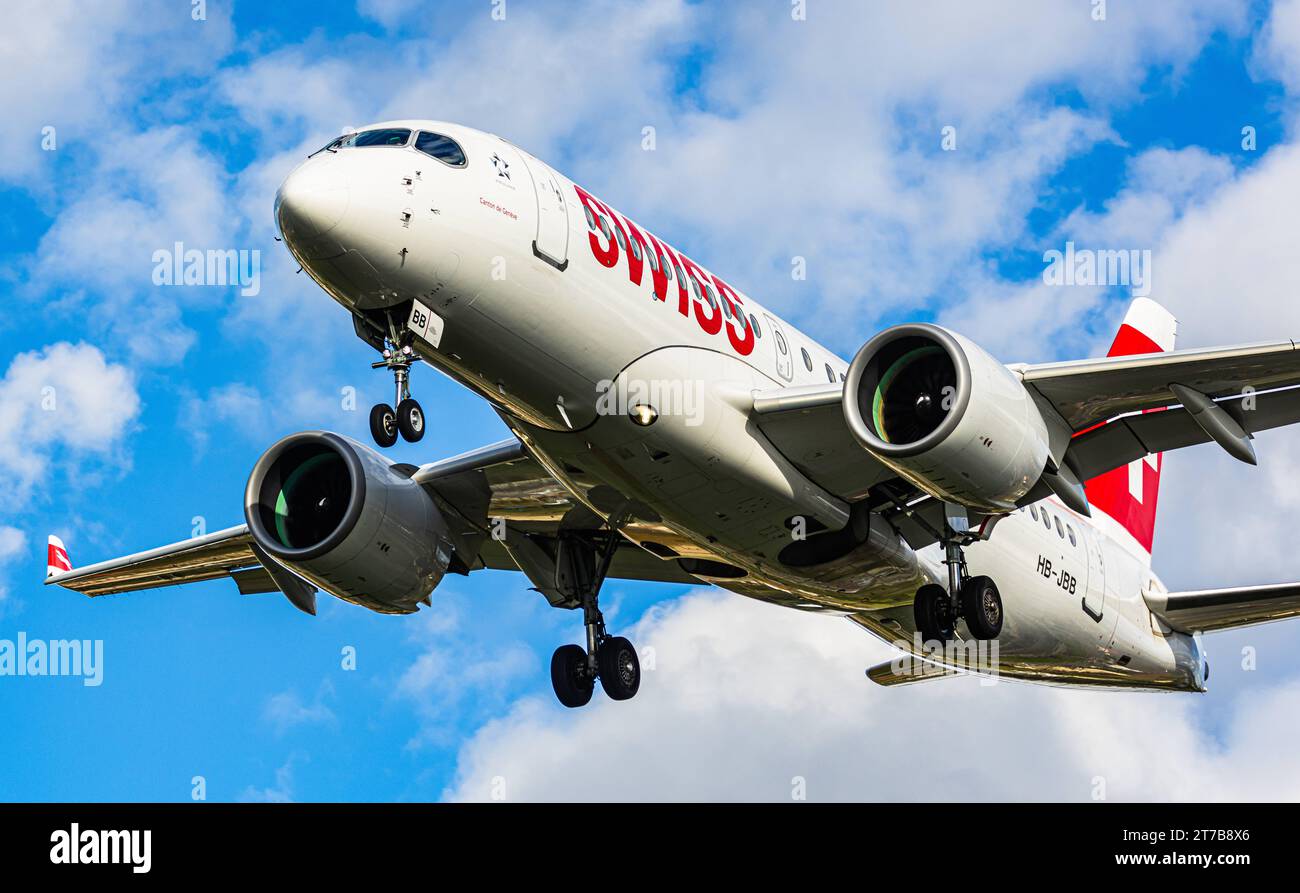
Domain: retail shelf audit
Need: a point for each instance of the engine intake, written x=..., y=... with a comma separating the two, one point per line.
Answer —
x=334, y=512
x=944, y=414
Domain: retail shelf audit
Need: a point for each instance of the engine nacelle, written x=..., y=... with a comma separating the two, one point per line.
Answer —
x=336, y=513
x=941, y=412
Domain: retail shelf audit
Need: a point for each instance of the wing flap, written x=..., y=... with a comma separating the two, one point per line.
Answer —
x=1129, y=438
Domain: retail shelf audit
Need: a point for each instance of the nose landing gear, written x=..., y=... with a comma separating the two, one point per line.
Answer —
x=408, y=418
x=580, y=570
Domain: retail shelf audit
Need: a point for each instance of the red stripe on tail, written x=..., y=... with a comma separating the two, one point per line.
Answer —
x=1128, y=494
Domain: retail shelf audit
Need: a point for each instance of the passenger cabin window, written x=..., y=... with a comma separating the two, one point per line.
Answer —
x=389, y=136
x=708, y=295
x=1033, y=511
x=830, y=374
x=807, y=360
x=726, y=308
x=443, y=148
x=1060, y=531
x=1070, y=531
x=1047, y=521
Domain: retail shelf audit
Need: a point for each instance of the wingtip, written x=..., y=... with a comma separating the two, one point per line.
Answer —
x=1154, y=320
x=57, y=562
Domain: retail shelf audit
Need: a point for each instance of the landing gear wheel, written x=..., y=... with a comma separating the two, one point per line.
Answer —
x=933, y=613
x=410, y=420
x=569, y=677
x=383, y=424
x=981, y=606
x=620, y=671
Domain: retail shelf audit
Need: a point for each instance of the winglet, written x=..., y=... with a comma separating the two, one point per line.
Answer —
x=57, y=558
x=1148, y=327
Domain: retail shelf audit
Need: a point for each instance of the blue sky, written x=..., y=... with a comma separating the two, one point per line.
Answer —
x=776, y=139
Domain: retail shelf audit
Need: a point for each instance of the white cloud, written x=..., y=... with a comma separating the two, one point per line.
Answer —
x=455, y=678
x=847, y=171
x=13, y=542
x=747, y=698
x=143, y=194
x=67, y=400
x=279, y=792
x=1277, y=50
x=79, y=66
x=286, y=710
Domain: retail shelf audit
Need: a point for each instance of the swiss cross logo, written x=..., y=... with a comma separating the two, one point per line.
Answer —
x=1137, y=474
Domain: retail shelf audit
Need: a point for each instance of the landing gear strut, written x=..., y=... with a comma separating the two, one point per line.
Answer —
x=408, y=419
x=974, y=599
x=581, y=563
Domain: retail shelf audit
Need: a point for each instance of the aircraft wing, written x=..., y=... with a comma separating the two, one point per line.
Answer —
x=1214, y=609
x=1086, y=392
x=522, y=492
x=224, y=553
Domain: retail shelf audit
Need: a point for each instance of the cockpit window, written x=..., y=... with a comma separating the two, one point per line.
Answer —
x=388, y=136
x=332, y=145
x=443, y=148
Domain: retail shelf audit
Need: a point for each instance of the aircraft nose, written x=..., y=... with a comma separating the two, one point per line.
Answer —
x=312, y=200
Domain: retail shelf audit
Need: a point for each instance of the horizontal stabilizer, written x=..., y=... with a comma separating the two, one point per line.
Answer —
x=906, y=670
x=1206, y=610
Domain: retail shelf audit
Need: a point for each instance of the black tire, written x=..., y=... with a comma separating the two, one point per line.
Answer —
x=410, y=420
x=383, y=424
x=573, y=686
x=981, y=606
x=933, y=614
x=620, y=671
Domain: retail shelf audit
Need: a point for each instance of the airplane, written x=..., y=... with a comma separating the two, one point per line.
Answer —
x=668, y=427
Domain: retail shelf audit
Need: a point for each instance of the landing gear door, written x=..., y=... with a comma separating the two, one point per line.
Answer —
x=781, y=349
x=552, y=241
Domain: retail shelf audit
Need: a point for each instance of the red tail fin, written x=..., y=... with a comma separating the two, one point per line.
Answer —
x=1129, y=494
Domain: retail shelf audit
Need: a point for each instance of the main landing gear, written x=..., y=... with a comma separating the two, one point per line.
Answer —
x=973, y=599
x=581, y=563
x=408, y=419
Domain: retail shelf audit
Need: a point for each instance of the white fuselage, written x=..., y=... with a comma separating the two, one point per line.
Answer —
x=549, y=307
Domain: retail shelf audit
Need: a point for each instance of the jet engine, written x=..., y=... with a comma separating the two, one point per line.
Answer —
x=945, y=415
x=339, y=515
